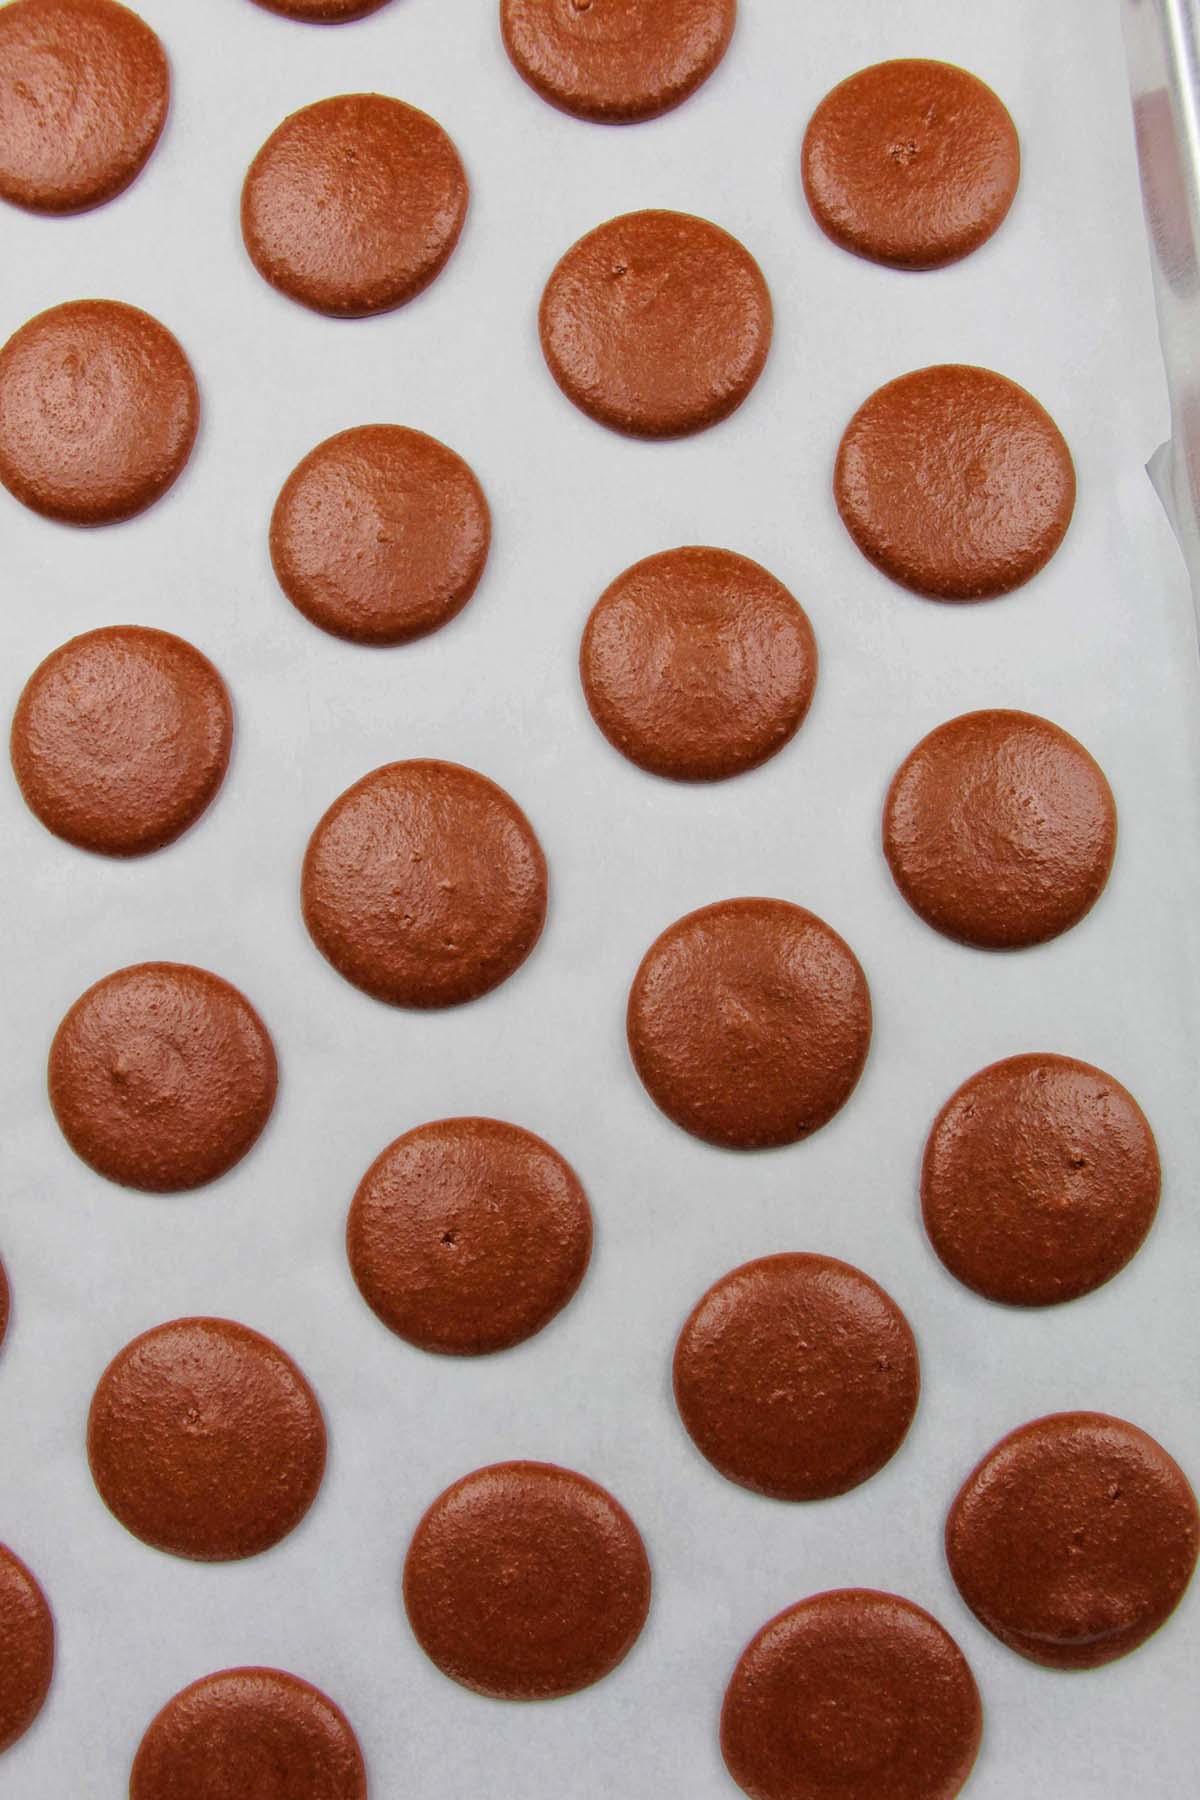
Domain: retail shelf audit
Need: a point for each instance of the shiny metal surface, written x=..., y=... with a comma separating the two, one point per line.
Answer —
x=1162, y=40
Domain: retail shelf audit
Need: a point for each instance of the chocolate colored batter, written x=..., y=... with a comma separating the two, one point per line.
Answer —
x=656, y=324
x=162, y=1076
x=749, y=1022
x=98, y=412
x=911, y=163
x=249, y=1734
x=121, y=739
x=698, y=664
x=26, y=1648
x=797, y=1376
x=84, y=88
x=955, y=483
x=616, y=61
x=322, y=12
x=1040, y=1180
x=354, y=205
x=524, y=1581
x=1000, y=830
x=468, y=1235
x=424, y=884
x=4, y=1304
x=1074, y=1539
x=380, y=535
x=205, y=1440
x=851, y=1695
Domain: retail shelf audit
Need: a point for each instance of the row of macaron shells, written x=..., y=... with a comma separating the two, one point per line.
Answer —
x=658, y=225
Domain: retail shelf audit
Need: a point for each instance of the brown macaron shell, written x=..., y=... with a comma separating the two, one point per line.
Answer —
x=911, y=163
x=616, y=62
x=354, y=205
x=1040, y=1180
x=245, y=1733
x=322, y=12
x=26, y=1648
x=467, y=1236
x=525, y=1581
x=84, y=90
x=205, y=1440
x=955, y=483
x=380, y=535
x=121, y=739
x=797, y=1376
x=162, y=1076
x=656, y=324
x=851, y=1695
x=98, y=412
x=697, y=664
x=1000, y=830
x=424, y=885
x=1074, y=1539
x=749, y=1023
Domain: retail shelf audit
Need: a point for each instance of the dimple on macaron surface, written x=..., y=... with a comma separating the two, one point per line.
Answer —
x=26, y=1648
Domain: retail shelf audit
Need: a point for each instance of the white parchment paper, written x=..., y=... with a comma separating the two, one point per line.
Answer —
x=1102, y=643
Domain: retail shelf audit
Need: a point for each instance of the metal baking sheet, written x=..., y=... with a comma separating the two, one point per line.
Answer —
x=1102, y=642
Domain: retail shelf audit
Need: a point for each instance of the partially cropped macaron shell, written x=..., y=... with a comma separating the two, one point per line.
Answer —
x=26, y=1648
x=226, y=1734
x=851, y=1695
x=84, y=91
x=616, y=62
